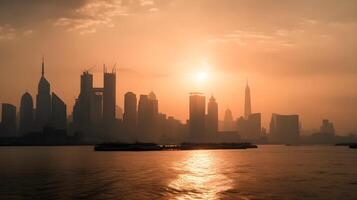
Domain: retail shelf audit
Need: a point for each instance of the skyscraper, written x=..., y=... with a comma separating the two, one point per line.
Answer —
x=85, y=98
x=228, y=121
x=143, y=117
x=26, y=113
x=59, y=113
x=284, y=128
x=43, y=101
x=250, y=129
x=197, y=116
x=8, y=123
x=247, y=103
x=130, y=112
x=212, y=116
x=109, y=96
x=327, y=127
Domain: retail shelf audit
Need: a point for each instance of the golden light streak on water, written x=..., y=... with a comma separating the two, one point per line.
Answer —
x=199, y=177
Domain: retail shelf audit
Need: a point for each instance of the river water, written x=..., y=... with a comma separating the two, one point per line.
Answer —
x=269, y=172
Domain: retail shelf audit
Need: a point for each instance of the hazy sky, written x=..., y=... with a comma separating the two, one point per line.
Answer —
x=299, y=56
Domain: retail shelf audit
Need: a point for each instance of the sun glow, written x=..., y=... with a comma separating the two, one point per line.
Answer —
x=201, y=76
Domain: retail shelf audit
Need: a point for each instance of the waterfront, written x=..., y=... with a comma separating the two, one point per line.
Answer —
x=269, y=172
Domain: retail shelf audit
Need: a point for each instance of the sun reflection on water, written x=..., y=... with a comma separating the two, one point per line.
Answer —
x=200, y=177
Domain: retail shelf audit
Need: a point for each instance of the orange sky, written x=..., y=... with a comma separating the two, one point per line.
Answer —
x=299, y=56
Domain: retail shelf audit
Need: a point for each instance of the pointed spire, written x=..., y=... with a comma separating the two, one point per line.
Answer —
x=43, y=65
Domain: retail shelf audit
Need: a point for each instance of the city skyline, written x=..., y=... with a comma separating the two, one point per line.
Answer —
x=247, y=110
x=300, y=59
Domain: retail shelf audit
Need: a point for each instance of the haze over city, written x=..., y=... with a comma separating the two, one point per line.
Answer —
x=299, y=56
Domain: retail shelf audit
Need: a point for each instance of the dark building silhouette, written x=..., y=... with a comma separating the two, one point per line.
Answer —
x=85, y=99
x=59, y=113
x=228, y=124
x=327, y=127
x=109, y=96
x=26, y=114
x=284, y=128
x=247, y=104
x=197, y=114
x=148, y=118
x=43, y=101
x=96, y=106
x=130, y=112
x=8, y=120
x=153, y=109
x=250, y=128
x=143, y=117
x=212, y=116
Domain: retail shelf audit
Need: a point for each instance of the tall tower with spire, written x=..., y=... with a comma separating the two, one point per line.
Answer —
x=247, y=103
x=43, y=100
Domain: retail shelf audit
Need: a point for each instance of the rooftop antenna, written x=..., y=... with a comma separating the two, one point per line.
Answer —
x=43, y=65
x=114, y=70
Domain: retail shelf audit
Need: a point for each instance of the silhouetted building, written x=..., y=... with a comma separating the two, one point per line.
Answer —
x=143, y=115
x=26, y=114
x=228, y=123
x=284, y=128
x=250, y=128
x=109, y=96
x=96, y=107
x=8, y=120
x=59, y=113
x=85, y=99
x=197, y=116
x=148, y=118
x=327, y=127
x=212, y=116
x=43, y=101
x=130, y=112
x=247, y=104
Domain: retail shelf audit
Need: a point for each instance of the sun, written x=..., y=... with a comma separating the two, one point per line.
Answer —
x=201, y=76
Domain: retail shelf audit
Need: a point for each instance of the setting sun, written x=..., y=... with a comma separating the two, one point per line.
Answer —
x=201, y=76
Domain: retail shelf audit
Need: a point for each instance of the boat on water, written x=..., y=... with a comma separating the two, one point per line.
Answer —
x=128, y=147
x=350, y=145
x=183, y=146
x=199, y=146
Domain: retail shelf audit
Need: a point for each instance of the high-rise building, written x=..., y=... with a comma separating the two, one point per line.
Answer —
x=130, y=112
x=327, y=127
x=85, y=99
x=247, y=103
x=26, y=113
x=109, y=96
x=284, y=128
x=96, y=107
x=43, y=101
x=250, y=128
x=212, y=116
x=59, y=113
x=143, y=116
x=8, y=120
x=228, y=124
x=197, y=116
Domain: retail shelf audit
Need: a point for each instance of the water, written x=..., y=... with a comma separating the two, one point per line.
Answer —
x=269, y=172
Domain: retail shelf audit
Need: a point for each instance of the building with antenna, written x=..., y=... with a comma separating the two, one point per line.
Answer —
x=109, y=95
x=43, y=101
x=95, y=105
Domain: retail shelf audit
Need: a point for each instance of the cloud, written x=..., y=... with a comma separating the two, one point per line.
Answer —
x=7, y=33
x=86, y=18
